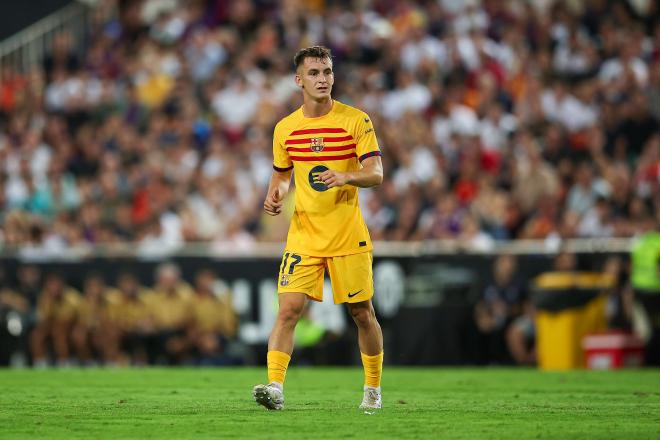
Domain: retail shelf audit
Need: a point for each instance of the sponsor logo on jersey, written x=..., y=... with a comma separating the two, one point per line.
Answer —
x=317, y=145
x=314, y=180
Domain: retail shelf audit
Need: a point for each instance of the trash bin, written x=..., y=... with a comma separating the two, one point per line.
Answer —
x=569, y=306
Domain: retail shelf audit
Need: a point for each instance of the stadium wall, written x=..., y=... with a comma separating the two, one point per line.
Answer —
x=424, y=297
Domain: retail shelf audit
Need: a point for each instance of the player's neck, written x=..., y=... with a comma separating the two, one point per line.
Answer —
x=316, y=109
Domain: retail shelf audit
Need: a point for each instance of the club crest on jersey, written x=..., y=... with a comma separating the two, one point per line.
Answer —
x=317, y=145
x=284, y=280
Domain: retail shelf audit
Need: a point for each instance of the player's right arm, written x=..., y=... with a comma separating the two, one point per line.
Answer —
x=277, y=190
x=281, y=177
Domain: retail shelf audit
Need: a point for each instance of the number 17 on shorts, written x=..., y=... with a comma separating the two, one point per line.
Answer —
x=351, y=276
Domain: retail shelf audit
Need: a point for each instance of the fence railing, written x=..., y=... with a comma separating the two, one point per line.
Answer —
x=27, y=48
x=274, y=249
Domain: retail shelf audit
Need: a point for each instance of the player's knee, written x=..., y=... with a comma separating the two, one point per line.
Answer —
x=363, y=316
x=290, y=314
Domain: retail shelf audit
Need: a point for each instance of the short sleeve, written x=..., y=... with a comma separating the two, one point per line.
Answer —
x=281, y=160
x=366, y=142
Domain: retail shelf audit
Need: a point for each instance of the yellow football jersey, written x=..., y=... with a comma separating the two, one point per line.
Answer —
x=60, y=310
x=327, y=222
x=213, y=314
x=130, y=314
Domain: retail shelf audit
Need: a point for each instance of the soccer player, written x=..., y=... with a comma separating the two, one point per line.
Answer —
x=332, y=151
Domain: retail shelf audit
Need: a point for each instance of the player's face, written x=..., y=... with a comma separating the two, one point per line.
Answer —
x=315, y=77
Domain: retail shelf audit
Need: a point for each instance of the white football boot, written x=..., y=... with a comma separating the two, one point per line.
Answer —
x=372, y=399
x=269, y=396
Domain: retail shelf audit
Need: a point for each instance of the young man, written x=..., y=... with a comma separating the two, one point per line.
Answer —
x=332, y=150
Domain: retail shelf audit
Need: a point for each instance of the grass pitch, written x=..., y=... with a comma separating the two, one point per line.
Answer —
x=322, y=403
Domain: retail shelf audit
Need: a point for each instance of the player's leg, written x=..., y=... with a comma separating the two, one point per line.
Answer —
x=352, y=283
x=370, y=335
x=280, y=343
x=291, y=306
x=301, y=278
x=280, y=347
x=370, y=341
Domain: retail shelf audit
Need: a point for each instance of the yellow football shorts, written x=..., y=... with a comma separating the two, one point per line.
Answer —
x=351, y=276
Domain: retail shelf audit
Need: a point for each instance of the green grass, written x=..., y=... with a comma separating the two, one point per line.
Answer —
x=322, y=403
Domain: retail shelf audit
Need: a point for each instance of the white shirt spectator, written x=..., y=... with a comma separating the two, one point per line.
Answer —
x=613, y=68
x=494, y=133
x=414, y=52
x=471, y=19
x=16, y=191
x=282, y=89
x=204, y=57
x=468, y=53
x=171, y=235
x=206, y=220
x=462, y=120
x=237, y=104
x=568, y=111
x=424, y=164
x=580, y=199
x=414, y=98
x=592, y=225
x=568, y=61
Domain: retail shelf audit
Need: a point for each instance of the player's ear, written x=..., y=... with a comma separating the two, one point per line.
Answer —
x=299, y=82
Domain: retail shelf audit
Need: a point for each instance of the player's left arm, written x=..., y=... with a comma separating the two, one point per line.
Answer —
x=371, y=170
x=371, y=174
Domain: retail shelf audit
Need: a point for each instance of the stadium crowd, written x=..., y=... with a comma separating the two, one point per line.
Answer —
x=497, y=120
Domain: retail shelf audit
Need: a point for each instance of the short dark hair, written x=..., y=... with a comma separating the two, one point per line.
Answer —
x=311, y=52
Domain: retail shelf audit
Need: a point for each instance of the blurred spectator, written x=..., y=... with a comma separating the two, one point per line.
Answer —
x=645, y=279
x=130, y=322
x=213, y=321
x=90, y=333
x=620, y=303
x=521, y=336
x=170, y=306
x=14, y=315
x=57, y=311
x=501, y=303
x=583, y=194
x=28, y=284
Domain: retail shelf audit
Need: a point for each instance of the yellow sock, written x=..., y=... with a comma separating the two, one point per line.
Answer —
x=278, y=362
x=373, y=369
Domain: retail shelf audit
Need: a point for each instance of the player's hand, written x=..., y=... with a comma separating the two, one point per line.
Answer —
x=273, y=203
x=333, y=178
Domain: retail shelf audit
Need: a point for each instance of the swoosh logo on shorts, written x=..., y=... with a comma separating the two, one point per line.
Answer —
x=351, y=295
